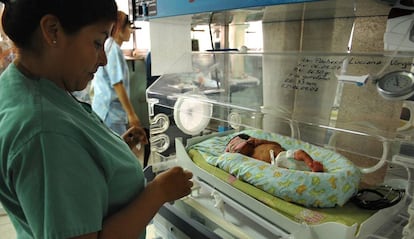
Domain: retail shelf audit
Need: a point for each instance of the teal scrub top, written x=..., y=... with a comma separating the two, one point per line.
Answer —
x=62, y=170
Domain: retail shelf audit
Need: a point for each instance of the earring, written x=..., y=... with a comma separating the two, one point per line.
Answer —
x=54, y=41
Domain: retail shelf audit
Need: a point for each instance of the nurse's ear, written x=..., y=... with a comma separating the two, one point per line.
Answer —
x=50, y=29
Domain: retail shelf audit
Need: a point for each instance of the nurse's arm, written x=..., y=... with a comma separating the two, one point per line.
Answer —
x=133, y=119
x=131, y=221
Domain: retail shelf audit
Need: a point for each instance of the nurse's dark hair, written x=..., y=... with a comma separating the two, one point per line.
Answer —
x=21, y=18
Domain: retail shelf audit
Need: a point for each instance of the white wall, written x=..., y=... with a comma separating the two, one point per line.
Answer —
x=122, y=5
x=142, y=35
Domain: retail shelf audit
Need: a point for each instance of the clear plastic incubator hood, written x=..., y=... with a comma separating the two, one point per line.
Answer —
x=345, y=104
x=309, y=96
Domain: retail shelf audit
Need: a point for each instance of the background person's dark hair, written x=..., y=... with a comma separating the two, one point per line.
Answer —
x=21, y=17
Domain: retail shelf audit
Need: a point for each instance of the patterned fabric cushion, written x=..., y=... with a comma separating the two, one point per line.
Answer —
x=333, y=187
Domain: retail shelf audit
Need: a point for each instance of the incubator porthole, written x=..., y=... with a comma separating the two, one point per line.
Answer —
x=192, y=114
x=234, y=119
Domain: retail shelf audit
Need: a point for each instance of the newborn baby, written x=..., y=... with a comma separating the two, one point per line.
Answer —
x=273, y=153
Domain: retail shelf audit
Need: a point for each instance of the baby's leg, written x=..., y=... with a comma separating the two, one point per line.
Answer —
x=315, y=166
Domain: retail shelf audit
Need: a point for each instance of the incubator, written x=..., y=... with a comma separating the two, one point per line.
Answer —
x=342, y=106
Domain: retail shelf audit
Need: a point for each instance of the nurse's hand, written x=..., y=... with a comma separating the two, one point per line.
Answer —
x=173, y=184
x=134, y=136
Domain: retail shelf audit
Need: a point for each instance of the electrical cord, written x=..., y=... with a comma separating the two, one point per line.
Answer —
x=378, y=198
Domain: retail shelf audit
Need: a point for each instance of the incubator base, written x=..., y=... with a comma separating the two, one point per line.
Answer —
x=262, y=220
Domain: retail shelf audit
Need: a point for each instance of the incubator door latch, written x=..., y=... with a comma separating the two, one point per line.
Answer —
x=218, y=201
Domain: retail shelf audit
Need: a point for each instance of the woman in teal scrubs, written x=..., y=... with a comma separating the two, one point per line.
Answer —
x=63, y=173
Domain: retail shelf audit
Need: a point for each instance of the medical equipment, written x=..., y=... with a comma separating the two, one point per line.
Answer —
x=359, y=141
x=328, y=98
x=396, y=85
x=399, y=34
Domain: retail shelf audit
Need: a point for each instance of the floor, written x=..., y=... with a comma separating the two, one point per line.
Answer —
x=6, y=228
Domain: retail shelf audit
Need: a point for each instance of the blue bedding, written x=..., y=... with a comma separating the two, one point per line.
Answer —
x=335, y=186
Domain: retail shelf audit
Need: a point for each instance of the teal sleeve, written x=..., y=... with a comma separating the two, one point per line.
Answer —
x=61, y=188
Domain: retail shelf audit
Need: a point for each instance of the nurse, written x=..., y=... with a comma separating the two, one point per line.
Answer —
x=63, y=173
x=111, y=84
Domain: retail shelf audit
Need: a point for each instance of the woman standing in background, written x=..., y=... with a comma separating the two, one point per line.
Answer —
x=111, y=83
